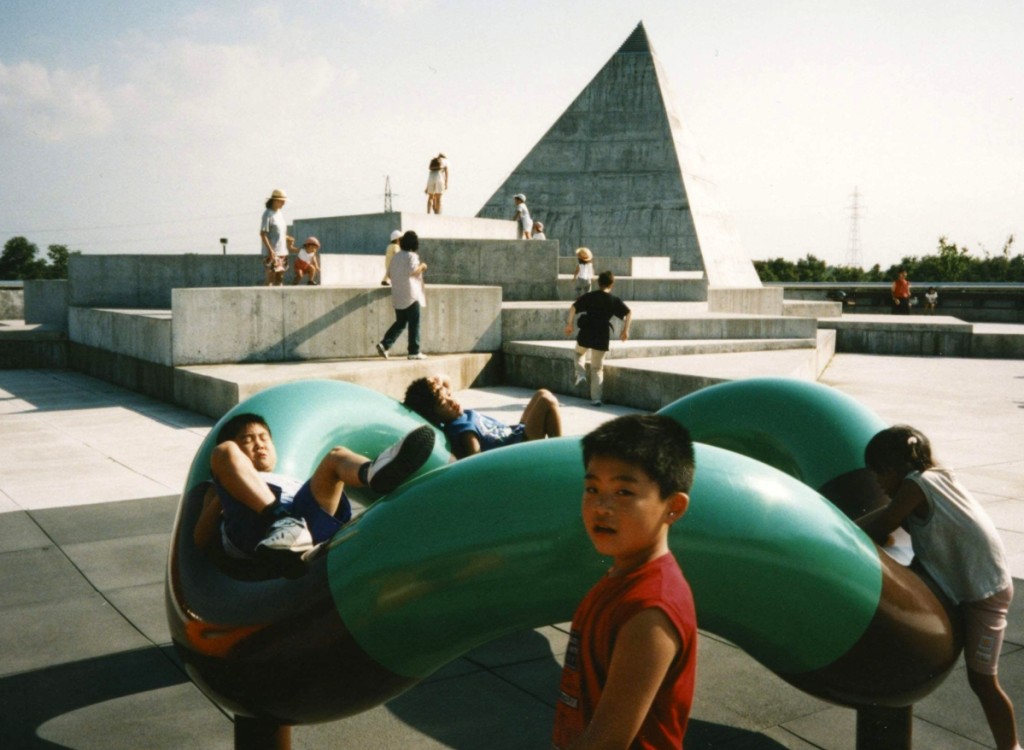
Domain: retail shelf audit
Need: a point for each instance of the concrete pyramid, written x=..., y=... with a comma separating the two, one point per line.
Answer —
x=619, y=173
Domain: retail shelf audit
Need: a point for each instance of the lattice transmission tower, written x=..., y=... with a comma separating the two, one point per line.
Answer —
x=387, y=195
x=853, y=255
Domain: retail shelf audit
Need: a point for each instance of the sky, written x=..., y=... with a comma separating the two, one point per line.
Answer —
x=131, y=127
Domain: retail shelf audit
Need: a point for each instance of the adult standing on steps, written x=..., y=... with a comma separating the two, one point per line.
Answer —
x=407, y=296
x=901, y=294
x=274, y=239
x=437, y=182
x=596, y=312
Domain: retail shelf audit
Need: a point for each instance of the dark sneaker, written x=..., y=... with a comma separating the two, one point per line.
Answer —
x=401, y=460
x=382, y=351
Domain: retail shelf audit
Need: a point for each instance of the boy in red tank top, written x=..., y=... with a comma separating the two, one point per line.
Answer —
x=629, y=671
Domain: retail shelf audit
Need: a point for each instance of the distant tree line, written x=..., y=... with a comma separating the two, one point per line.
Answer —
x=19, y=262
x=948, y=263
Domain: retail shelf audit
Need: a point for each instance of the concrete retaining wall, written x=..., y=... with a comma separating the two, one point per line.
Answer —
x=749, y=301
x=944, y=338
x=213, y=389
x=146, y=281
x=46, y=302
x=618, y=266
x=141, y=334
x=368, y=234
x=351, y=270
x=995, y=345
x=291, y=323
x=12, y=304
x=976, y=302
x=524, y=269
x=525, y=323
x=30, y=347
x=149, y=378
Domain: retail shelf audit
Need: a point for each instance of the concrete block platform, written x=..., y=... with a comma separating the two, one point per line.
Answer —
x=536, y=321
x=638, y=373
x=24, y=345
x=997, y=341
x=812, y=309
x=914, y=335
x=368, y=234
x=214, y=389
x=677, y=286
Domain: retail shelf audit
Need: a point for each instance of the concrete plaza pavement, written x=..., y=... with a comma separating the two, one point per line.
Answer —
x=89, y=476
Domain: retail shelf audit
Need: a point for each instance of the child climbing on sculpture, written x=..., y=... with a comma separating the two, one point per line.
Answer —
x=630, y=666
x=471, y=432
x=307, y=263
x=275, y=519
x=583, y=276
x=957, y=545
x=522, y=217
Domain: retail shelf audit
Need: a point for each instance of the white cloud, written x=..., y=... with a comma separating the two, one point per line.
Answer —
x=396, y=8
x=52, y=105
x=185, y=88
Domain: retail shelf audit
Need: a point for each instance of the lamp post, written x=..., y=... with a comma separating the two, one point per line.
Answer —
x=224, y=245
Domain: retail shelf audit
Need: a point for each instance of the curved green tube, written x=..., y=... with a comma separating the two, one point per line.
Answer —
x=809, y=431
x=469, y=551
x=495, y=544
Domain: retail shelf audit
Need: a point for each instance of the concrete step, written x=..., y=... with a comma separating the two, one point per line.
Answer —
x=213, y=389
x=997, y=341
x=537, y=321
x=650, y=374
x=812, y=308
x=677, y=286
x=634, y=349
x=654, y=383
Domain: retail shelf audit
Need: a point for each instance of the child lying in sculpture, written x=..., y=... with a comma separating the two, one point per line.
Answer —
x=471, y=432
x=275, y=518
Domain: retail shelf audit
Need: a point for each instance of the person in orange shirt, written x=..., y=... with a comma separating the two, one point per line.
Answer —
x=901, y=294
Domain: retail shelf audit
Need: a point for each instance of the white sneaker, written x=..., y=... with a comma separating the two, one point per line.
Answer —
x=580, y=380
x=401, y=460
x=287, y=534
x=382, y=351
x=421, y=355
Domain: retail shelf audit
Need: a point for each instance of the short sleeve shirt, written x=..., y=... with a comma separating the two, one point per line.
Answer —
x=596, y=310
x=273, y=223
x=490, y=432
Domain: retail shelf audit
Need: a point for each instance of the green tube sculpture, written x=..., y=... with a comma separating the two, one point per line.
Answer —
x=467, y=552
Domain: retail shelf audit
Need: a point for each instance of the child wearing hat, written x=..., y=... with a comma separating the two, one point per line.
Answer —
x=306, y=264
x=584, y=274
x=522, y=216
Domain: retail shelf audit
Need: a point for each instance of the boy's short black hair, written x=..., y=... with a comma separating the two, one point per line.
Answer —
x=605, y=279
x=409, y=241
x=420, y=397
x=659, y=445
x=230, y=429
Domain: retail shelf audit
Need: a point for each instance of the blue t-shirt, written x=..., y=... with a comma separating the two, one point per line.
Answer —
x=491, y=432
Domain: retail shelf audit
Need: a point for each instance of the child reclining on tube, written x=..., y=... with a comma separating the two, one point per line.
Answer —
x=471, y=432
x=276, y=519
